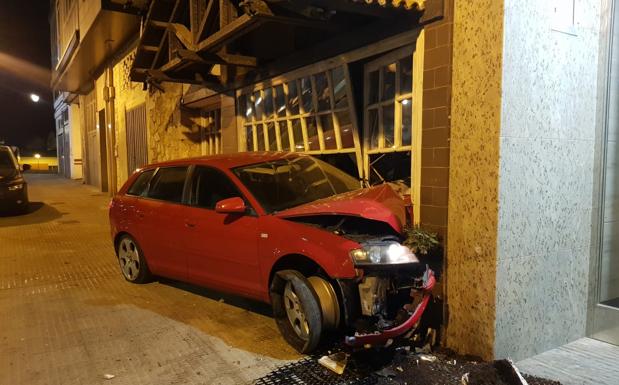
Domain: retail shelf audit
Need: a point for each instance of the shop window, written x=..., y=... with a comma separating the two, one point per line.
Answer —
x=309, y=113
x=392, y=121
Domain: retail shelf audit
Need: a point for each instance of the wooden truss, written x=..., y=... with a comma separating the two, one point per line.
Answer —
x=215, y=43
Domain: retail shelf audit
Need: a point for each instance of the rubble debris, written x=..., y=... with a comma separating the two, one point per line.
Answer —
x=335, y=362
x=108, y=376
x=427, y=357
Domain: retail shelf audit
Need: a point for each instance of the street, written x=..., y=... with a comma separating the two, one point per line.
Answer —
x=67, y=315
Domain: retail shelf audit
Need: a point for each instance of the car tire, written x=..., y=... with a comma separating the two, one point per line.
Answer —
x=297, y=310
x=131, y=260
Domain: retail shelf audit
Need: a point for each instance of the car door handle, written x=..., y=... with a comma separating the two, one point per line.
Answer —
x=139, y=213
x=190, y=224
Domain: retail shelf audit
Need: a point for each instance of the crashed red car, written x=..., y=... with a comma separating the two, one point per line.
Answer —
x=287, y=229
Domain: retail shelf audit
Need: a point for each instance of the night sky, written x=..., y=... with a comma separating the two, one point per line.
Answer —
x=24, y=46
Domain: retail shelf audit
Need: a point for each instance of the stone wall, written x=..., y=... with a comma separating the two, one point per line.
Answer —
x=473, y=176
x=546, y=176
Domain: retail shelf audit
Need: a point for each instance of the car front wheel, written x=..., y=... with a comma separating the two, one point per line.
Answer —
x=297, y=311
x=131, y=261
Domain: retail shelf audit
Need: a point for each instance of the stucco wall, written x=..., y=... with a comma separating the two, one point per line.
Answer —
x=76, y=141
x=546, y=177
x=473, y=176
x=128, y=96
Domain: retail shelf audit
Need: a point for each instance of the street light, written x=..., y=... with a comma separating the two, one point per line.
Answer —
x=35, y=98
x=37, y=156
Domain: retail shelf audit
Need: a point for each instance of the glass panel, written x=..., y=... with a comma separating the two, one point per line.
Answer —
x=246, y=107
x=268, y=103
x=293, y=98
x=280, y=101
x=168, y=184
x=326, y=121
x=313, y=141
x=283, y=134
x=389, y=82
x=211, y=186
x=258, y=105
x=272, y=137
x=260, y=129
x=322, y=92
x=306, y=95
x=373, y=88
x=373, y=125
x=339, y=87
x=406, y=75
x=297, y=132
x=407, y=121
x=249, y=138
x=141, y=183
x=388, y=125
x=346, y=133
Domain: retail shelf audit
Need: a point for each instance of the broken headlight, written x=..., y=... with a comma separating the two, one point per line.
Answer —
x=390, y=253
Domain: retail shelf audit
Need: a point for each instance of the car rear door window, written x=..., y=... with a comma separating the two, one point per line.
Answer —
x=139, y=187
x=168, y=184
x=210, y=186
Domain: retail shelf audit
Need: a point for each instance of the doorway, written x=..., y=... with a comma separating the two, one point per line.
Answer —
x=137, y=147
x=606, y=310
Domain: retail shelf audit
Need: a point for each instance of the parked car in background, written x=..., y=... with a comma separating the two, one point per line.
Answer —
x=283, y=228
x=13, y=186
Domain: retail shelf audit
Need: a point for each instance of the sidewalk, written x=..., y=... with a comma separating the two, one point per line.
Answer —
x=67, y=315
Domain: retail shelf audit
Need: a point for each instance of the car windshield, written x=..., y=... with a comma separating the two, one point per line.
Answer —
x=284, y=183
x=6, y=159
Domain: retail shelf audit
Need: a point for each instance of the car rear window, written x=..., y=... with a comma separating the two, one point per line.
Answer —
x=168, y=184
x=140, y=185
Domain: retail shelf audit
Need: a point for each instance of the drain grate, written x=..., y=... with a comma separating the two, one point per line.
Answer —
x=309, y=372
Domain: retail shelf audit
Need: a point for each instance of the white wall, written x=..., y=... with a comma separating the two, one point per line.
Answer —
x=548, y=126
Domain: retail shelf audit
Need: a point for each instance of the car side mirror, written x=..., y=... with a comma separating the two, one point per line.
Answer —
x=25, y=167
x=231, y=205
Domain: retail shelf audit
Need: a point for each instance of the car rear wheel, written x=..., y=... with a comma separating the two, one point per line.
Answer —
x=131, y=261
x=297, y=311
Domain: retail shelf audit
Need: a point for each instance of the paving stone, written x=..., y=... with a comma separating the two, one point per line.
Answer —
x=67, y=316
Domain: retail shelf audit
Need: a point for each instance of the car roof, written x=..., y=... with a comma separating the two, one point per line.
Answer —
x=229, y=161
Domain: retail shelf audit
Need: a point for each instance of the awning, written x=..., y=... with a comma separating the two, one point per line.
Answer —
x=196, y=42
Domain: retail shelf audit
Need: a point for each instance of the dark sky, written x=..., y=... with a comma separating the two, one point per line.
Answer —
x=24, y=40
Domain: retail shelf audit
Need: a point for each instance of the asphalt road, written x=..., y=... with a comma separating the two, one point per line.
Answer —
x=67, y=316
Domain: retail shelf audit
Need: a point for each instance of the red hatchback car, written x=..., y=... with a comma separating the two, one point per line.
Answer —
x=283, y=228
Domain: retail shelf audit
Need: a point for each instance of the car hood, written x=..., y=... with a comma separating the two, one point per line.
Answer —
x=379, y=203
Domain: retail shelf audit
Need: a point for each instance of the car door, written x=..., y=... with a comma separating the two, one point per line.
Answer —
x=222, y=247
x=161, y=222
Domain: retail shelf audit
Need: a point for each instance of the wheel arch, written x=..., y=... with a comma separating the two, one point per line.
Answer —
x=299, y=262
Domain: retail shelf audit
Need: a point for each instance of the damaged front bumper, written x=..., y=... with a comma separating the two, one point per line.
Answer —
x=380, y=292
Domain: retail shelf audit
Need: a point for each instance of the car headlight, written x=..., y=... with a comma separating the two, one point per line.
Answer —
x=16, y=187
x=383, y=254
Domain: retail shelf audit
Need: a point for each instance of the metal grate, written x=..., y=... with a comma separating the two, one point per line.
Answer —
x=309, y=372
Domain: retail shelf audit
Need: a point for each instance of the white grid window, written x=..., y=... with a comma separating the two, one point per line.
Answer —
x=308, y=114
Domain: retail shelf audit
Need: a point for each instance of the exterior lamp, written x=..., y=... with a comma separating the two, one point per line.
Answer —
x=35, y=98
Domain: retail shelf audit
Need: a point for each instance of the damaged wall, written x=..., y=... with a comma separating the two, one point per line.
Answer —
x=546, y=174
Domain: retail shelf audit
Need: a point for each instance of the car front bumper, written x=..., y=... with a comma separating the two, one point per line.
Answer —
x=383, y=336
x=13, y=199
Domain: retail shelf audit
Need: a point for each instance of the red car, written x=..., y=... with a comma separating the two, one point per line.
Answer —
x=283, y=228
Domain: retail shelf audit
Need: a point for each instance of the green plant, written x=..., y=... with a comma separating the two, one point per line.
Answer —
x=420, y=240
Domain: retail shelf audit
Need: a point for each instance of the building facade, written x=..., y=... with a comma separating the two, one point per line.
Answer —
x=496, y=118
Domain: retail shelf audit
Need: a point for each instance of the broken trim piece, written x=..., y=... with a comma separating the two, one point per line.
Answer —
x=383, y=337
